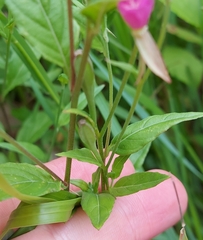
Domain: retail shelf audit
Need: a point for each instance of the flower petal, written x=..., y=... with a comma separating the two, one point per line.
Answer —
x=136, y=13
x=151, y=54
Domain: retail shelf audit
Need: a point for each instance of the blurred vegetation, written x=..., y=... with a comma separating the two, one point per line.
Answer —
x=32, y=99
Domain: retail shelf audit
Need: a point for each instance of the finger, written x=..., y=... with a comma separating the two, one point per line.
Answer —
x=79, y=171
x=82, y=170
x=138, y=216
x=6, y=207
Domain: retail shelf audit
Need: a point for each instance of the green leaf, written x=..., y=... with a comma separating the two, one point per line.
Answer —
x=63, y=79
x=27, y=179
x=83, y=155
x=124, y=66
x=118, y=166
x=44, y=23
x=61, y=195
x=8, y=189
x=184, y=33
x=87, y=134
x=98, y=207
x=80, y=183
x=34, y=127
x=33, y=149
x=136, y=182
x=17, y=72
x=183, y=65
x=98, y=40
x=37, y=214
x=96, y=179
x=80, y=113
x=96, y=10
x=29, y=58
x=138, y=134
x=189, y=11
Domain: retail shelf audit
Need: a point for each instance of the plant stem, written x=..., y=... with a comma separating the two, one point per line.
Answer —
x=119, y=94
x=74, y=99
x=9, y=139
x=8, y=45
x=107, y=55
x=107, y=124
x=71, y=40
x=6, y=118
x=89, y=93
x=56, y=124
x=162, y=33
x=130, y=114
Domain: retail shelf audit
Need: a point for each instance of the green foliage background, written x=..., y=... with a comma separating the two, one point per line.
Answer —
x=33, y=52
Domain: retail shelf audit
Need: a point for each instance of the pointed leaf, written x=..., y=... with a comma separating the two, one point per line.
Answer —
x=36, y=214
x=98, y=207
x=7, y=188
x=79, y=112
x=124, y=66
x=97, y=9
x=45, y=25
x=83, y=155
x=80, y=183
x=136, y=182
x=118, y=166
x=27, y=179
x=96, y=179
x=138, y=134
x=61, y=195
x=87, y=135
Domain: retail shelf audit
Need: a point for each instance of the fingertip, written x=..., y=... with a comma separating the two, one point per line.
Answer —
x=82, y=170
x=138, y=216
x=167, y=202
x=176, y=187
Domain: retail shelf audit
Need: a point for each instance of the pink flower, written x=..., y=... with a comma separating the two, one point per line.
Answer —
x=136, y=13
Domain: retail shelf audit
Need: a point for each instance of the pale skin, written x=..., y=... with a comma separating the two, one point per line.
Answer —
x=138, y=216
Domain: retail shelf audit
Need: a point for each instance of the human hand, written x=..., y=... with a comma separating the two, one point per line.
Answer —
x=139, y=216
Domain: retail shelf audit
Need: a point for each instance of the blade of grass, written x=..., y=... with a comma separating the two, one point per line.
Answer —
x=37, y=214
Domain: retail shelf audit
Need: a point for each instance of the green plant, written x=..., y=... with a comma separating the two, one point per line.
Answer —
x=37, y=53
